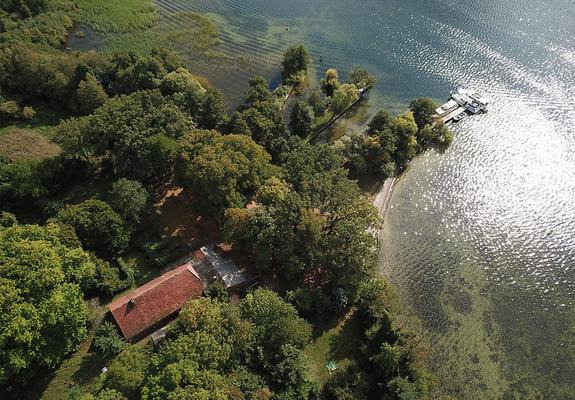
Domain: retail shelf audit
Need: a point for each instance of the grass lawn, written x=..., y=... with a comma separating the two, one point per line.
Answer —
x=337, y=342
x=26, y=140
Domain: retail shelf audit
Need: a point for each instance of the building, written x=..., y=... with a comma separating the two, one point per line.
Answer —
x=213, y=266
x=154, y=304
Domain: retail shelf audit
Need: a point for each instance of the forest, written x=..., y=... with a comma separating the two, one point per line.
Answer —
x=90, y=144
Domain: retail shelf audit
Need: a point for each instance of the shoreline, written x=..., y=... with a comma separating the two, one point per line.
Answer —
x=383, y=197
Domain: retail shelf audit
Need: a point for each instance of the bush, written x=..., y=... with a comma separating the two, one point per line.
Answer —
x=98, y=226
x=108, y=342
x=7, y=219
x=217, y=291
x=128, y=198
x=127, y=372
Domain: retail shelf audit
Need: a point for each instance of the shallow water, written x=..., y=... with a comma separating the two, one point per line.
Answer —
x=480, y=239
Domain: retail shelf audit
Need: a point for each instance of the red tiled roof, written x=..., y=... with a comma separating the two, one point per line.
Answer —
x=156, y=300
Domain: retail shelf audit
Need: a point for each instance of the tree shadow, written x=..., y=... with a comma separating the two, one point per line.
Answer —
x=346, y=344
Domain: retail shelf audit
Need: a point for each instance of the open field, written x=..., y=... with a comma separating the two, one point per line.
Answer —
x=24, y=144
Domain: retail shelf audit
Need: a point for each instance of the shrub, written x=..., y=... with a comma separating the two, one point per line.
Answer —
x=108, y=342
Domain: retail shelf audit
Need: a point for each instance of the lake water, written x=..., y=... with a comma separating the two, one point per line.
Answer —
x=480, y=239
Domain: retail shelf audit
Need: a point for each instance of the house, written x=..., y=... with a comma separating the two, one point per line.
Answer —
x=152, y=305
x=212, y=266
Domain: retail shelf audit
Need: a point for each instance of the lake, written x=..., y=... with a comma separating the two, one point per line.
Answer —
x=479, y=239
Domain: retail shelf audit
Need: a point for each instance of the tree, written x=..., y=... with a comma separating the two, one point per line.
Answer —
x=423, y=110
x=127, y=372
x=258, y=91
x=292, y=373
x=361, y=78
x=296, y=59
x=126, y=131
x=225, y=171
x=302, y=118
x=344, y=97
x=180, y=81
x=276, y=322
x=213, y=113
x=316, y=102
x=273, y=191
x=42, y=312
x=129, y=198
x=379, y=122
x=405, y=129
x=99, y=227
x=108, y=342
x=90, y=95
x=330, y=83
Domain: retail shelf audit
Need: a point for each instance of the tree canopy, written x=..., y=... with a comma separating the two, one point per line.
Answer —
x=423, y=110
x=225, y=171
x=344, y=97
x=43, y=316
x=98, y=226
x=295, y=61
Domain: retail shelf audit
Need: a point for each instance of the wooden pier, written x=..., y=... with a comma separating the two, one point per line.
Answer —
x=449, y=116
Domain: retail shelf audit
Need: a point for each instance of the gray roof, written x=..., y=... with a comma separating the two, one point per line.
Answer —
x=225, y=268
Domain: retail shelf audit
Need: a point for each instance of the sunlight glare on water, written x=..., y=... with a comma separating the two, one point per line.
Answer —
x=479, y=239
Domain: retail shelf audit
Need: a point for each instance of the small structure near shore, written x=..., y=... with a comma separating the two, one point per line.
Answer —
x=154, y=304
x=462, y=102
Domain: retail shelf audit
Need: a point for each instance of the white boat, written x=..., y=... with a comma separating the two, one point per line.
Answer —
x=471, y=100
x=446, y=108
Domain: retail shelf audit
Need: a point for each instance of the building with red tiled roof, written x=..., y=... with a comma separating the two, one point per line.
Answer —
x=155, y=303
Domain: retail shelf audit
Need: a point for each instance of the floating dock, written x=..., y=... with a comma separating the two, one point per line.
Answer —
x=461, y=102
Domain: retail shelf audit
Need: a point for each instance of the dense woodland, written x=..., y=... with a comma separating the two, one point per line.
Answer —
x=141, y=121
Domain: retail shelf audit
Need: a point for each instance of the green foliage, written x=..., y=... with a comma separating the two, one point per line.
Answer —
x=7, y=219
x=276, y=322
x=90, y=95
x=295, y=60
x=128, y=131
x=316, y=103
x=117, y=17
x=99, y=227
x=22, y=181
x=423, y=110
x=43, y=316
x=302, y=117
x=24, y=8
x=361, y=78
x=405, y=130
x=226, y=171
x=217, y=291
x=321, y=227
x=273, y=191
x=258, y=92
x=108, y=342
x=127, y=372
x=260, y=117
x=437, y=134
x=330, y=83
x=128, y=198
x=344, y=97
x=36, y=72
